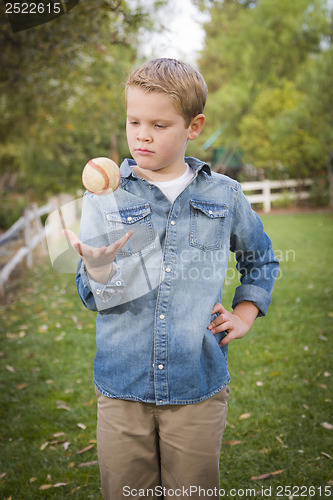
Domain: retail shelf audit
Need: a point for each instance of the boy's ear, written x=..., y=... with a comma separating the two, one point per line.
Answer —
x=196, y=126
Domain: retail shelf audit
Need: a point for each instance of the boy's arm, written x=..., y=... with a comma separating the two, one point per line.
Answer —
x=99, y=280
x=256, y=262
x=258, y=267
x=235, y=324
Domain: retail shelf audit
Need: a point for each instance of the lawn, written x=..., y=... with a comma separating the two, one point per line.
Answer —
x=280, y=422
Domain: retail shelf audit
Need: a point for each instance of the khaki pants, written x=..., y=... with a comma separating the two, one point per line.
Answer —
x=152, y=452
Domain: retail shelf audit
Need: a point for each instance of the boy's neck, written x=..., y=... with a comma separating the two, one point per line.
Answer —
x=161, y=175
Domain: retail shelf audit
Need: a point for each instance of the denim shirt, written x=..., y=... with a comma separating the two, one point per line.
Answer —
x=153, y=344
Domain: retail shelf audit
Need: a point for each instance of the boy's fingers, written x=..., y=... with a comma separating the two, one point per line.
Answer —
x=225, y=340
x=73, y=240
x=218, y=308
x=124, y=239
x=117, y=245
x=70, y=236
x=221, y=327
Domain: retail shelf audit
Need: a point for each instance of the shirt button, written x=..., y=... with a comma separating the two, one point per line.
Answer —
x=162, y=316
x=172, y=223
x=129, y=219
x=118, y=283
x=98, y=291
x=160, y=367
x=210, y=212
x=150, y=186
x=167, y=270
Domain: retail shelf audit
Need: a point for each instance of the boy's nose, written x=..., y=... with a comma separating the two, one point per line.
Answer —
x=144, y=136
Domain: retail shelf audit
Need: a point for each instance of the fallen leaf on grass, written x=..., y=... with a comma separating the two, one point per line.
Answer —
x=58, y=434
x=88, y=464
x=322, y=386
x=61, y=405
x=275, y=374
x=32, y=479
x=326, y=454
x=281, y=442
x=21, y=386
x=46, y=486
x=82, y=426
x=230, y=425
x=269, y=474
x=233, y=442
x=85, y=449
x=327, y=426
x=245, y=416
x=3, y=475
x=10, y=368
x=52, y=442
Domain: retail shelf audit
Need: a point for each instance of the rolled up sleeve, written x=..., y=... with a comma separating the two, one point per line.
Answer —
x=255, y=257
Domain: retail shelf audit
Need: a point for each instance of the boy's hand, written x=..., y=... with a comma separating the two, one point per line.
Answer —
x=235, y=324
x=98, y=261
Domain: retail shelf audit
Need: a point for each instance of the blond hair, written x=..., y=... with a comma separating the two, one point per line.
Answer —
x=179, y=80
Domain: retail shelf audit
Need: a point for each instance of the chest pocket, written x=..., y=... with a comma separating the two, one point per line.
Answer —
x=136, y=218
x=207, y=224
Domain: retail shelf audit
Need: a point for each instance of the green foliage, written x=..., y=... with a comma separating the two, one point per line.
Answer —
x=61, y=88
x=268, y=66
x=11, y=209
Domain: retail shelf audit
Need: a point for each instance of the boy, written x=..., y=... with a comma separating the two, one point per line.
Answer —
x=153, y=259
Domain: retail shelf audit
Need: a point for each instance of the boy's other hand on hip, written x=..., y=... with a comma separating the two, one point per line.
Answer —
x=235, y=324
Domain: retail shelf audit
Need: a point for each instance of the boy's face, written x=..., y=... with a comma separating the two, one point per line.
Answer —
x=156, y=134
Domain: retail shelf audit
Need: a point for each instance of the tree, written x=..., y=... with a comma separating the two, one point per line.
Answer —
x=61, y=90
x=253, y=57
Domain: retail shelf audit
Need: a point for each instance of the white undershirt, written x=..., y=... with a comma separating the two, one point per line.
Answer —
x=173, y=188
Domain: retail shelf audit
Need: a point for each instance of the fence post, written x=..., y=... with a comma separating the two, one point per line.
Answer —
x=266, y=191
x=40, y=230
x=27, y=237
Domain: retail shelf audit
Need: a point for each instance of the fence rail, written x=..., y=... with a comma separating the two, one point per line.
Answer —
x=33, y=236
x=269, y=191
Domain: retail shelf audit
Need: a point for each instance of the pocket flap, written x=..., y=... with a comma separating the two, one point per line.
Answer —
x=212, y=210
x=128, y=215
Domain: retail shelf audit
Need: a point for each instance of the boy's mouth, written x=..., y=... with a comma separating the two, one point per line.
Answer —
x=144, y=151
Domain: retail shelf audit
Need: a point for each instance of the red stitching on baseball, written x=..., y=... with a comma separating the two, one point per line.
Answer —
x=102, y=172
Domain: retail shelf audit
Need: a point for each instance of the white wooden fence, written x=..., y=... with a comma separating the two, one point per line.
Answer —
x=266, y=191
x=31, y=234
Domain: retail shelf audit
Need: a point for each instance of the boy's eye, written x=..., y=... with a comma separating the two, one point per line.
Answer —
x=158, y=125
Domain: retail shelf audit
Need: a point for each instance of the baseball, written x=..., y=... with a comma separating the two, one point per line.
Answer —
x=101, y=176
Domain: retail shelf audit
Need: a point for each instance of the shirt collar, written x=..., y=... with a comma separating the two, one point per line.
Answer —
x=194, y=163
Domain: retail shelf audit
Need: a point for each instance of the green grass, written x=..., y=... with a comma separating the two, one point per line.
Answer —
x=47, y=351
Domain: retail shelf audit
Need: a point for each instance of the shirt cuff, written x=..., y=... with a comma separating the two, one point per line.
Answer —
x=104, y=292
x=252, y=293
